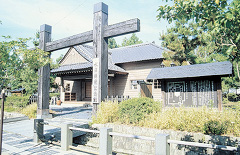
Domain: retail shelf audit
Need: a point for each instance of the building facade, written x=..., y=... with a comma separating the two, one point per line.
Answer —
x=136, y=71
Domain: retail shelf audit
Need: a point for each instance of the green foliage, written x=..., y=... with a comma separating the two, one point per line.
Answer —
x=136, y=109
x=184, y=119
x=225, y=100
x=18, y=66
x=107, y=113
x=54, y=65
x=30, y=110
x=215, y=127
x=131, y=41
x=232, y=97
x=203, y=31
x=112, y=43
x=17, y=101
x=54, y=94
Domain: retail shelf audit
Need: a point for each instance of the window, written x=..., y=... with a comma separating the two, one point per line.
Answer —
x=70, y=96
x=73, y=96
x=134, y=84
x=67, y=87
x=67, y=96
x=157, y=84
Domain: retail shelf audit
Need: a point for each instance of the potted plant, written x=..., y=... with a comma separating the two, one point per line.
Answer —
x=58, y=101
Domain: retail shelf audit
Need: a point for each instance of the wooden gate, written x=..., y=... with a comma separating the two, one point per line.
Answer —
x=146, y=90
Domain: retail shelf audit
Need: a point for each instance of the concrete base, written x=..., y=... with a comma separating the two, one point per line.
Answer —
x=43, y=113
x=44, y=116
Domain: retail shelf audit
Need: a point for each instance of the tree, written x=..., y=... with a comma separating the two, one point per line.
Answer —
x=112, y=43
x=19, y=65
x=54, y=65
x=206, y=29
x=131, y=41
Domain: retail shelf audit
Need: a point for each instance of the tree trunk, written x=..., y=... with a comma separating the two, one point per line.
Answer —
x=237, y=70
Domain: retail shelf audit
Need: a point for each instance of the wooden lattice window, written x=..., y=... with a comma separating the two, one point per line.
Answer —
x=73, y=96
x=70, y=96
x=67, y=87
x=67, y=97
x=157, y=84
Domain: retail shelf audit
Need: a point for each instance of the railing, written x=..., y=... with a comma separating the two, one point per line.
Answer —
x=162, y=141
x=117, y=98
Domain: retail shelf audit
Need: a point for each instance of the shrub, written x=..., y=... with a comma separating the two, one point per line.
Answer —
x=136, y=109
x=232, y=97
x=54, y=94
x=147, y=113
x=30, y=110
x=225, y=100
x=215, y=127
x=17, y=101
x=107, y=113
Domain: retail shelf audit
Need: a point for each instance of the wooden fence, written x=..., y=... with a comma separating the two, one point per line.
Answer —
x=117, y=98
x=162, y=141
x=34, y=98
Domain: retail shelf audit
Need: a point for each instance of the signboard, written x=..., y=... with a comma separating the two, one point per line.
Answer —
x=96, y=81
x=232, y=90
x=238, y=91
x=191, y=93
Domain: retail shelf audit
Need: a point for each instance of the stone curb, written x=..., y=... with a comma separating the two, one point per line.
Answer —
x=15, y=119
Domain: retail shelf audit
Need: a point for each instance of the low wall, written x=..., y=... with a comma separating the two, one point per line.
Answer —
x=144, y=147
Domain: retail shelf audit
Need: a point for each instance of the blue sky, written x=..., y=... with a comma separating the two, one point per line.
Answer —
x=22, y=18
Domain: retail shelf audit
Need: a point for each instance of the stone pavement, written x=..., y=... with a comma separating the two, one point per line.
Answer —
x=18, y=136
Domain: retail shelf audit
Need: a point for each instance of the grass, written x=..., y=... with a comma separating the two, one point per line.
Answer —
x=30, y=110
x=183, y=119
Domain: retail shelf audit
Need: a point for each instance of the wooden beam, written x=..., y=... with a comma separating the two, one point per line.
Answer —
x=129, y=26
x=81, y=38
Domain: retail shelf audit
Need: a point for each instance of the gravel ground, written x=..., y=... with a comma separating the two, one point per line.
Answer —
x=76, y=112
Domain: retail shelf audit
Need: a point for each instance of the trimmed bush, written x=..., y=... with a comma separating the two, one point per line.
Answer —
x=215, y=127
x=136, y=109
x=107, y=113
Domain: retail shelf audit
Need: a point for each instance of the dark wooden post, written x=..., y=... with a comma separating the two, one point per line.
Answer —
x=219, y=93
x=163, y=90
x=100, y=61
x=2, y=116
x=44, y=75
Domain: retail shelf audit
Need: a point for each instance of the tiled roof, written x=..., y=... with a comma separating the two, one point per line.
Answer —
x=72, y=67
x=84, y=66
x=198, y=70
x=85, y=51
x=140, y=52
x=135, y=53
x=132, y=53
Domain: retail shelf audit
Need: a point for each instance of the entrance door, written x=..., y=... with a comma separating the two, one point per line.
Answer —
x=146, y=89
x=88, y=90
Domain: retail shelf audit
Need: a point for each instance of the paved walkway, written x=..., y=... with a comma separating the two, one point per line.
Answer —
x=18, y=136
